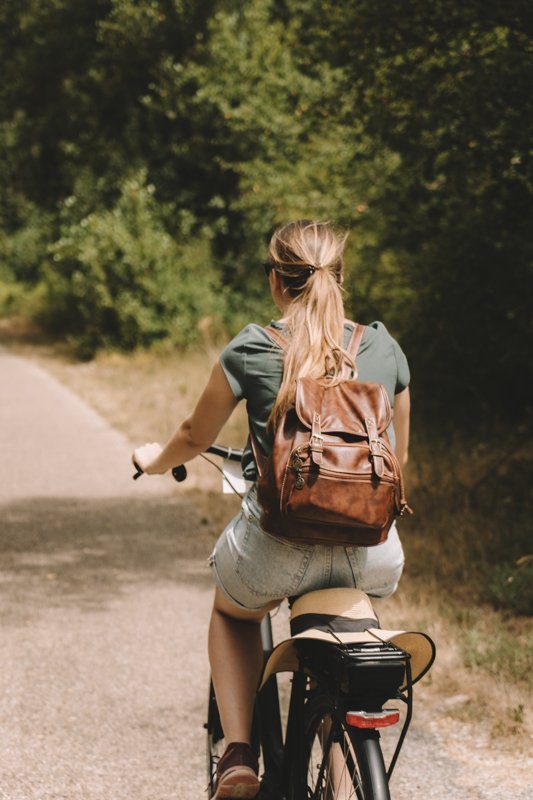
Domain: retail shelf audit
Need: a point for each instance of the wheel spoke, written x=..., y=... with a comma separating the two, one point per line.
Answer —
x=331, y=766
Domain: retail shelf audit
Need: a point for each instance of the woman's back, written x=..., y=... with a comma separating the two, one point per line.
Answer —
x=253, y=364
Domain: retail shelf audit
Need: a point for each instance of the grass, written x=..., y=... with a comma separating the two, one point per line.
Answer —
x=471, y=523
x=474, y=505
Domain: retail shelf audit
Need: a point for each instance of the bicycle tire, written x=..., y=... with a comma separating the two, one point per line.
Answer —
x=356, y=765
x=214, y=740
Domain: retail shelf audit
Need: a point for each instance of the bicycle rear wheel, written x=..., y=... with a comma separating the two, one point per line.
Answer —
x=337, y=762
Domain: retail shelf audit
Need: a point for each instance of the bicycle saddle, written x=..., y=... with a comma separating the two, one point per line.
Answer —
x=346, y=617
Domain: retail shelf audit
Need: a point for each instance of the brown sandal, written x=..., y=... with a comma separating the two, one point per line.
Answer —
x=237, y=773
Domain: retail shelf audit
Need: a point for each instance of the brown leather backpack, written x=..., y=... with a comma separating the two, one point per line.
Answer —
x=332, y=476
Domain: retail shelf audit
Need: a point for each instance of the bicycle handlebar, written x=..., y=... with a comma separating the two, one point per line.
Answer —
x=179, y=473
x=226, y=452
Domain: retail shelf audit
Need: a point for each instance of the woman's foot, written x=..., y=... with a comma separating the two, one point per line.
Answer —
x=237, y=773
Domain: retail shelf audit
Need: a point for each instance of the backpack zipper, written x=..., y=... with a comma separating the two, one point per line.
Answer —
x=294, y=456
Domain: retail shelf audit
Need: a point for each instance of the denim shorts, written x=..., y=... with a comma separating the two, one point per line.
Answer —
x=253, y=568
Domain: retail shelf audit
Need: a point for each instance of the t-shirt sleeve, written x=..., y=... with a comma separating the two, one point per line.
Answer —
x=403, y=375
x=233, y=361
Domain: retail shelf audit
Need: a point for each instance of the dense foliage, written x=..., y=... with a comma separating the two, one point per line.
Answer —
x=149, y=147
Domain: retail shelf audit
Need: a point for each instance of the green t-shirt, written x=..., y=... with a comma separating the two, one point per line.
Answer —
x=253, y=365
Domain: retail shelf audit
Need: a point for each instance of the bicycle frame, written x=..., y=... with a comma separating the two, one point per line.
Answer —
x=267, y=721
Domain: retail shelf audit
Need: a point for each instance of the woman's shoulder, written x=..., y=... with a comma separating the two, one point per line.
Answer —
x=252, y=338
x=377, y=335
x=380, y=345
x=377, y=328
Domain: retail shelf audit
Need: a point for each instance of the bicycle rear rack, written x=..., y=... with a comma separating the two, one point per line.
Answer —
x=365, y=654
x=363, y=664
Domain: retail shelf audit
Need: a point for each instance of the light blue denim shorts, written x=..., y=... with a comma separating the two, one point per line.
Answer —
x=253, y=568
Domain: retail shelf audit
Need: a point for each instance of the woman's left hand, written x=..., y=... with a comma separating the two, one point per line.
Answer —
x=146, y=457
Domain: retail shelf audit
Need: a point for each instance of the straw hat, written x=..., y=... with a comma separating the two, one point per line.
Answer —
x=330, y=615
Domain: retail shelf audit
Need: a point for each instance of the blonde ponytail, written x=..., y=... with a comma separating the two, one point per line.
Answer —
x=309, y=257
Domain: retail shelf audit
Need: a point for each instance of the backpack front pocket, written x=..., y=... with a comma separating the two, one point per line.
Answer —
x=342, y=491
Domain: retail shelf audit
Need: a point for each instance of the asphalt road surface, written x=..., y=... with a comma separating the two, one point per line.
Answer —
x=105, y=598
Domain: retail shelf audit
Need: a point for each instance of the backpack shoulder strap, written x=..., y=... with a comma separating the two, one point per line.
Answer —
x=259, y=456
x=355, y=338
x=353, y=345
x=277, y=336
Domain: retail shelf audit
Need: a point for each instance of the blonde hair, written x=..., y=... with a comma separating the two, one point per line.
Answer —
x=309, y=257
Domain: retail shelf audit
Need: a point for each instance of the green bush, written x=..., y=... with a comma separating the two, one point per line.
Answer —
x=23, y=249
x=118, y=279
x=511, y=586
x=12, y=297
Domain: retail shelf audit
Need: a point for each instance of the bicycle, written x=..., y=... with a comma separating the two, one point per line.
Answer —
x=331, y=748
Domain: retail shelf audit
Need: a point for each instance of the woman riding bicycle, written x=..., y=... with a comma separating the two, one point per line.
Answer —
x=253, y=570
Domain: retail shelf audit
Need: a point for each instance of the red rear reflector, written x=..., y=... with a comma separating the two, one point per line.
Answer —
x=373, y=719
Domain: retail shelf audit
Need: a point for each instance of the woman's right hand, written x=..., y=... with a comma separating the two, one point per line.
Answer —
x=146, y=458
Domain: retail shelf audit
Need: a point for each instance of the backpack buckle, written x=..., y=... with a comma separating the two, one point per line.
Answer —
x=316, y=440
x=375, y=447
x=374, y=444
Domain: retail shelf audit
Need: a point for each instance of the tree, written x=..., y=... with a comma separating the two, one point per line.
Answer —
x=445, y=89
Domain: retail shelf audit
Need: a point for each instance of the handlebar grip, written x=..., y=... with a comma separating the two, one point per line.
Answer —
x=178, y=473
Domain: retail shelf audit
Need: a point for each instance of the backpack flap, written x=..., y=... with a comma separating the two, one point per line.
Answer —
x=344, y=407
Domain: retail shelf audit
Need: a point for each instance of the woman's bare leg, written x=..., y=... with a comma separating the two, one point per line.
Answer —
x=236, y=657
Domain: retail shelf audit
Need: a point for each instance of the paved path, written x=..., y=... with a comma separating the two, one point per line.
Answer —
x=105, y=600
x=54, y=445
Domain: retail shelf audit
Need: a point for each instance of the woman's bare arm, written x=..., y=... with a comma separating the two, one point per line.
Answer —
x=402, y=408
x=197, y=432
